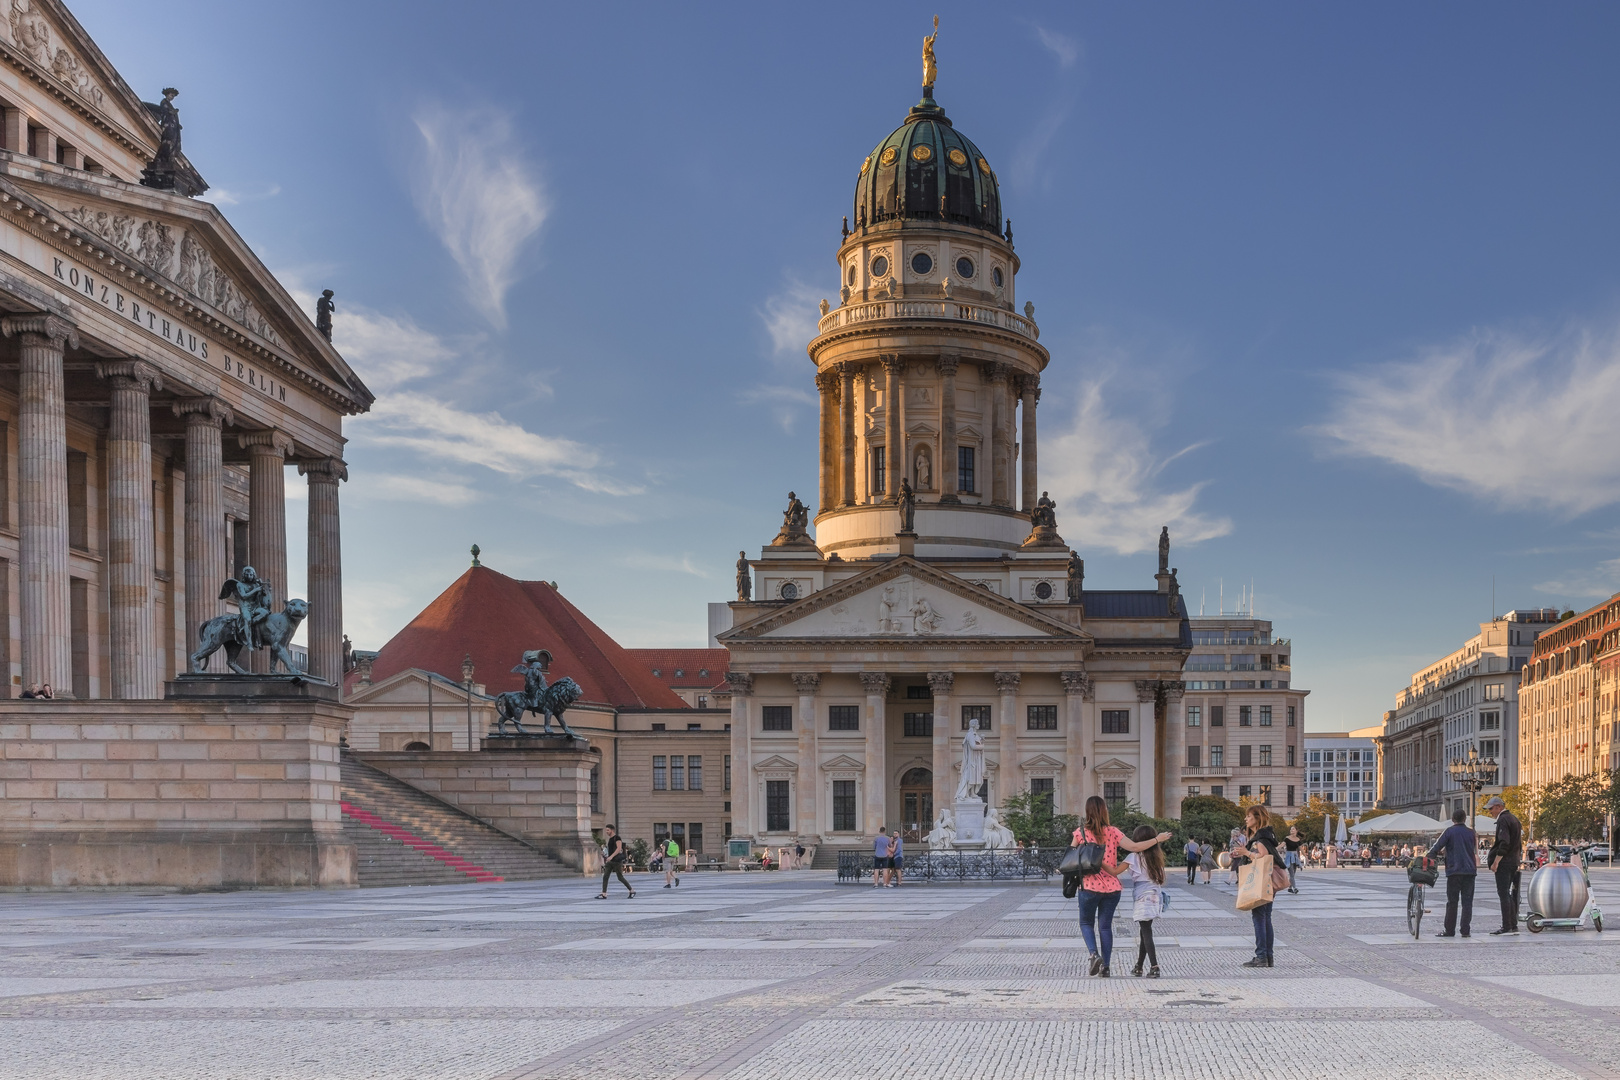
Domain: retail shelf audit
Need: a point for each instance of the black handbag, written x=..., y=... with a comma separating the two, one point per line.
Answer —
x=1088, y=858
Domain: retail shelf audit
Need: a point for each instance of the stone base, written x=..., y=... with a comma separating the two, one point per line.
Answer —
x=908, y=542
x=192, y=686
x=1044, y=536
x=795, y=539
x=969, y=822
x=499, y=744
x=179, y=859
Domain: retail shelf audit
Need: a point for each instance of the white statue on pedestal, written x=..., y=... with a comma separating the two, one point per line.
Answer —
x=997, y=835
x=943, y=834
x=972, y=763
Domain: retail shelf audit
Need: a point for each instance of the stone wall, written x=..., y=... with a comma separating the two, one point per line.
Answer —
x=540, y=794
x=191, y=794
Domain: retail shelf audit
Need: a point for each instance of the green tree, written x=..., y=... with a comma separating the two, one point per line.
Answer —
x=1572, y=807
x=1030, y=818
x=638, y=854
x=1521, y=802
x=1312, y=816
x=1129, y=817
x=1209, y=818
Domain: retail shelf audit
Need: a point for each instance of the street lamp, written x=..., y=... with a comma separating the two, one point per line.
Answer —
x=1472, y=773
x=467, y=677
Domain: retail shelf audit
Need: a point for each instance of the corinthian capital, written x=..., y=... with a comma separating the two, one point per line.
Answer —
x=1007, y=681
x=892, y=364
x=740, y=682
x=806, y=682
x=875, y=682
x=941, y=682
x=827, y=383
x=1077, y=682
x=947, y=364
x=996, y=373
x=1147, y=690
x=52, y=328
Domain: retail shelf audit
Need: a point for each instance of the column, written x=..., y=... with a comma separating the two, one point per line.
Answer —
x=849, y=397
x=1076, y=743
x=1147, y=756
x=42, y=497
x=942, y=683
x=325, y=568
x=17, y=139
x=1175, y=751
x=947, y=428
x=742, y=766
x=131, y=551
x=1011, y=770
x=894, y=436
x=808, y=797
x=267, y=516
x=996, y=420
x=827, y=383
x=875, y=781
x=207, y=539
x=1030, y=388
x=45, y=144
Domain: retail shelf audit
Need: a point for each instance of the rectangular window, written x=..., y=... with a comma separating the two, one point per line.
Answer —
x=1218, y=790
x=778, y=717
x=1245, y=755
x=1290, y=794
x=776, y=806
x=596, y=789
x=1245, y=716
x=677, y=833
x=1355, y=756
x=879, y=473
x=1114, y=791
x=919, y=693
x=677, y=773
x=694, y=837
x=1245, y=791
x=694, y=727
x=1495, y=691
x=1194, y=756
x=1195, y=716
x=1265, y=716
x=1290, y=716
x=1490, y=721
x=660, y=773
x=1043, y=787
x=1193, y=790
x=660, y=833
x=964, y=470
x=78, y=480
x=728, y=772
x=1217, y=757
x=1265, y=794
x=843, y=806
x=658, y=727
x=1316, y=757
x=843, y=718
x=1265, y=755
x=1490, y=748
x=1217, y=716
x=976, y=712
x=1290, y=756
x=1116, y=721
x=694, y=773
x=1043, y=718
x=919, y=725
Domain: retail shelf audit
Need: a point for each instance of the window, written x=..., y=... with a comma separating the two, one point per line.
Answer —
x=778, y=717
x=660, y=833
x=1490, y=721
x=596, y=789
x=964, y=469
x=976, y=712
x=1495, y=691
x=1217, y=757
x=1355, y=778
x=919, y=725
x=694, y=773
x=78, y=479
x=1245, y=755
x=1265, y=716
x=1217, y=716
x=694, y=727
x=1218, y=790
x=1355, y=756
x=1042, y=787
x=1265, y=755
x=843, y=806
x=658, y=727
x=1290, y=794
x=1114, y=791
x=919, y=693
x=1245, y=716
x=1290, y=716
x=1490, y=748
x=702, y=702
x=1315, y=778
x=1195, y=716
x=694, y=837
x=677, y=773
x=1355, y=796
x=1193, y=790
x=1245, y=791
x=776, y=806
x=1290, y=755
x=843, y=718
x=1194, y=756
x=1116, y=721
x=1316, y=757
x=1043, y=718
x=878, y=477
x=1265, y=794
x=660, y=773
x=677, y=833
x=728, y=772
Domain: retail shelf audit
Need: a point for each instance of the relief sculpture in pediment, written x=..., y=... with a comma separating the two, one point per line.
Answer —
x=157, y=245
x=32, y=34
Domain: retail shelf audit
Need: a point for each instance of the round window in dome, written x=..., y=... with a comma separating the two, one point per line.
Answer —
x=922, y=262
x=920, y=153
x=957, y=158
x=995, y=276
x=984, y=166
x=880, y=267
x=1043, y=591
x=889, y=155
x=964, y=267
x=852, y=273
x=789, y=591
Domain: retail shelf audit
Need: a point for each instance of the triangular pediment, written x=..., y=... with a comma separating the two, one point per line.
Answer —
x=408, y=687
x=1042, y=761
x=905, y=599
x=1114, y=765
x=843, y=762
x=774, y=763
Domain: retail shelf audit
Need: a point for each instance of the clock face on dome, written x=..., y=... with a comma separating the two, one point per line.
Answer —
x=957, y=158
x=889, y=155
x=920, y=154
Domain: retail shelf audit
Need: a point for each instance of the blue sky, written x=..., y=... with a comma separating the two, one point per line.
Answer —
x=1332, y=291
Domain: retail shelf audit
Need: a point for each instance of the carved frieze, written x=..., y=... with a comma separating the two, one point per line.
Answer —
x=35, y=37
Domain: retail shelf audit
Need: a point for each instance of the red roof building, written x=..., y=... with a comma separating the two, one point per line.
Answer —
x=696, y=675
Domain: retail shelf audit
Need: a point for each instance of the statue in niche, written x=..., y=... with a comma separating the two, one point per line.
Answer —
x=323, y=314
x=908, y=506
x=1077, y=576
x=745, y=585
x=924, y=469
x=1164, y=550
x=972, y=780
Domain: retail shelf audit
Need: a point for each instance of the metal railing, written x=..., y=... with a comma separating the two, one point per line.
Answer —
x=957, y=866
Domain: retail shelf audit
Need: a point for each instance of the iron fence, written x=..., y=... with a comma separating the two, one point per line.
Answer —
x=949, y=866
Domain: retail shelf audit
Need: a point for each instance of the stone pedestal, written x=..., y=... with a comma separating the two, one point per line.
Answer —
x=969, y=822
x=193, y=686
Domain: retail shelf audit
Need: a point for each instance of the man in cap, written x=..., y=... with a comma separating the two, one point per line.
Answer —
x=1505, y=855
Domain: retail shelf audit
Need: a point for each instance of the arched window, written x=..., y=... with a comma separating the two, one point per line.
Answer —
x=917, y=778
x=417, y=747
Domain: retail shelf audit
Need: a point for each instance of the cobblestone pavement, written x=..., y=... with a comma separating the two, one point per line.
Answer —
x=786, y=975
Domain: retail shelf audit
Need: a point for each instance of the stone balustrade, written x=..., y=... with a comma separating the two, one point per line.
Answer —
x=953, y=310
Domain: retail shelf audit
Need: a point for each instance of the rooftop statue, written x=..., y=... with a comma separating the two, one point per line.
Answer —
x=323, y=314
x=1164, y=550
x=908, y=506
x=930, y=69
x=253, y=626
x=1077, y=577
x=745, y=586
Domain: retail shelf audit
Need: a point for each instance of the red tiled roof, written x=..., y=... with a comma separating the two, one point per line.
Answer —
x=495, y=618
x=663, y=664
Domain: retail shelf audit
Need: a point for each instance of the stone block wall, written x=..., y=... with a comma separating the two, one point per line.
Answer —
x=189, y=794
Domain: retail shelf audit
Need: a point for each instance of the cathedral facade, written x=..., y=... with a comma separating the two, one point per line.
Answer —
x=937, y=589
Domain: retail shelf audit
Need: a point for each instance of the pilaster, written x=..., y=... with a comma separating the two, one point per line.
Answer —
x=947, y=469
x=741, y=685
x=849, y=399
x=894, y=432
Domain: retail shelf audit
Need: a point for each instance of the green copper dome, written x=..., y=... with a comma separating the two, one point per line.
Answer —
x=926, y=170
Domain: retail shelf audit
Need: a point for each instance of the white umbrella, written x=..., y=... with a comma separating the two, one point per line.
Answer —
x=1407, y=822
x=1484, y=823
x=1327, y=829
x=1342, y=835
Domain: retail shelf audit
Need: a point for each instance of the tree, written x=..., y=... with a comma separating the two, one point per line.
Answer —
x=1313, y=816
x=1029, y=816
x=1128, y=818
x=1521, y=803
x=1573, y=807
x=1209, y=818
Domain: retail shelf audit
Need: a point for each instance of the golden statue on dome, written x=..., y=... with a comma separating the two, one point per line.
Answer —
x=930, y=69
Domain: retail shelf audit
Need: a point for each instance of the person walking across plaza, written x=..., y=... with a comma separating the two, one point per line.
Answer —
x=1206, y=859
x=1505, y=855
x=1147, y=897
x=1194, y=855
x=616, y=854
x=1457, y=845
x=897, y=858
x=1262, y=841
x=881, y=860
x=672, y=863
x=1099, y=892
x=1291, y=845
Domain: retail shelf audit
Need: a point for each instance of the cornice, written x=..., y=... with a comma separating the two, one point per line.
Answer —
x=121, y=136
x=878, y=328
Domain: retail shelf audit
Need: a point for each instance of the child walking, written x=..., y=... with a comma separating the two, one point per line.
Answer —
x=1147, y=898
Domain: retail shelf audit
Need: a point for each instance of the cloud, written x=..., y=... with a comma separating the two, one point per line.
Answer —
x=388, y=350
x=681, y=564
x=1523, y=421
x=445, y=433
x=480, y=196
x=1601, y=580
x=233, y=197
x=1062, y=46
x=1024, y=165
x=1104, y=475
x=783, y=402
x=456, y=492
x=791, y=317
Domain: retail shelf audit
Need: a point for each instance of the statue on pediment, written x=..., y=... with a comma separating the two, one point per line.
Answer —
x=795, y=532
x=323, y=314
x=1077, y=577
x=169, y=170
x=745, y=585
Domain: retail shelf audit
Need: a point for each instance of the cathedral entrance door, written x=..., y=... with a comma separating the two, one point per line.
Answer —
x=916, y=803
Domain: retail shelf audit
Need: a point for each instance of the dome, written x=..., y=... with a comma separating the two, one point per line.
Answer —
x=927, y=170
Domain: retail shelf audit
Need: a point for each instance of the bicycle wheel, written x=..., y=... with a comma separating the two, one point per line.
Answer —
x=1414, y=909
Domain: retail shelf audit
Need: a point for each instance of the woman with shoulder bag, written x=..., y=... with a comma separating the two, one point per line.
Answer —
x=1100, y=889
x=1262, y=841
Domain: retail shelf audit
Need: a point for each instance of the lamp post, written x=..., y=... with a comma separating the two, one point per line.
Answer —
x=467, y=678
x=1472, y=773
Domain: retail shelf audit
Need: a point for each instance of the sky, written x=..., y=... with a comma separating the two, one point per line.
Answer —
x=1331, y=291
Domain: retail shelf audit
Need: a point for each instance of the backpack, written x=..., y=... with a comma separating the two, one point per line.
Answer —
x=672, y=849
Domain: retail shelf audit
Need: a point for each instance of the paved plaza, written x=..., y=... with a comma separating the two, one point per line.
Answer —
x=764, y=976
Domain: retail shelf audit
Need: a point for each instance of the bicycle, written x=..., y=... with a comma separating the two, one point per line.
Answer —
x=1421, y=873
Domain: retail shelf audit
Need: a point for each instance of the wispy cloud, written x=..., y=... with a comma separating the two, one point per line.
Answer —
x=1105, y=477
x=1062, y=46
x=1600, y=580
x=388, y=350
x=783, y=402
x=675, y=564
x=1024, y=167
x=414, y=489
x=475, y=190
x=790, y=317
x=1521, y=420
x=236, y=196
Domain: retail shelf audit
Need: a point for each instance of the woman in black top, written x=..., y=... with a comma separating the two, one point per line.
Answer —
x=1262, y=841
x=1291, y=845
x=616, y=854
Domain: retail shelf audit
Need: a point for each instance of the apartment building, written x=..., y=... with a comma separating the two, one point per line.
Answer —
x=1342, y=767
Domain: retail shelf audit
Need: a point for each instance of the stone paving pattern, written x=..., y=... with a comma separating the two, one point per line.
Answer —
x=767, y=976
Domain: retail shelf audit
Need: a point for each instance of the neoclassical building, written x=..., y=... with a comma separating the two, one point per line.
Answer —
x=937, y=589
x=155, y=383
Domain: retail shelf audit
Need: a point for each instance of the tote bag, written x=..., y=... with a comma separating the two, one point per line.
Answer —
x=1254, y=884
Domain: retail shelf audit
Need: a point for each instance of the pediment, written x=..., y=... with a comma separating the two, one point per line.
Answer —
x=843, y=763
x=1042, y=761
x=43, y=37
x=904, y=599
x=1114, y=765
x=408, y=687
x=776, y=763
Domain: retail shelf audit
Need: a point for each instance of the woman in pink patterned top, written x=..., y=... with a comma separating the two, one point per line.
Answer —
x=1100, y=892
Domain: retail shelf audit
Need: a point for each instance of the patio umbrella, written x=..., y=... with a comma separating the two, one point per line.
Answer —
x=1343, y=835
x=1327, y=829
x=1408, y=822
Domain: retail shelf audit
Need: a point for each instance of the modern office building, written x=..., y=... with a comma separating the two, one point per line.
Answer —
x=1342, y=767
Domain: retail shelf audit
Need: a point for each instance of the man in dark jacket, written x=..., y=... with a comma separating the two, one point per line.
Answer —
x=1505, y=855
x=1458, y=845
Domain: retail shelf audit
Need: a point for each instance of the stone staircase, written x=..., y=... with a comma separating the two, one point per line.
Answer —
x=827, y=855
x=403, y=836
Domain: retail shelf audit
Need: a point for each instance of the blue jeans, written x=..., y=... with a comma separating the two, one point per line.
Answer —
x=1263, y=935
x=1098, y=907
